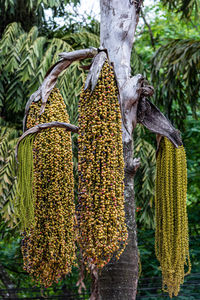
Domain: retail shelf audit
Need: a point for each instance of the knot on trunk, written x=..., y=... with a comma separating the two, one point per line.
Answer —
x=132, y=166
x=147, y=91
x=131, y=91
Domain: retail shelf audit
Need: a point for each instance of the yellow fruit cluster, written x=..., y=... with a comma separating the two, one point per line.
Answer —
x=48, y=246
x=171, y=239
x=100, y=213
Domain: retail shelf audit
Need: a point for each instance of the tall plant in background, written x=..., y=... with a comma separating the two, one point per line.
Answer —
x=24, y=56
x=29, y=12
x=8, y=139
x=185, y=7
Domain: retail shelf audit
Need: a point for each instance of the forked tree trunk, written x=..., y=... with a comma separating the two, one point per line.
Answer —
x=118, y=280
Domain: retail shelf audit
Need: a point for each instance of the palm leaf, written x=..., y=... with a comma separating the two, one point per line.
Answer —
x=83, y=39
x=176, y=69
x=70, y=84
x=8, y=142
x=11, y=33
x=137, y=65
x=145, y=178
x=186, y=7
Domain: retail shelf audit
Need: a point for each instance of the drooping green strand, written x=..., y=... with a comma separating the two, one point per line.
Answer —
x=25, y=198
x=172, y=240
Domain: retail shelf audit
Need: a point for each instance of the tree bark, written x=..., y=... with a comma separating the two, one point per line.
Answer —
x=118, y=280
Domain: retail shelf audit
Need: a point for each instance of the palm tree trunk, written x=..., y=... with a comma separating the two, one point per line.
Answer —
x=118, y=280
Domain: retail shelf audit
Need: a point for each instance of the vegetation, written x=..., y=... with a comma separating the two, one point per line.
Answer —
x=171, y=63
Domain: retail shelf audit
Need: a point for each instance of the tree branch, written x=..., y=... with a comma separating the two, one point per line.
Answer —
x=132, y=166
x=79, y=54
x=149, y=29
x=40, y=127
x=95, y=70
x=52, y=74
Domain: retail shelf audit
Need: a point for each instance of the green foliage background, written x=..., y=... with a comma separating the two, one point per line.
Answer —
x=166, y=52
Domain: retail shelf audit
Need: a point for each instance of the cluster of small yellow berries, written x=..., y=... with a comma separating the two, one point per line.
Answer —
x=100, y=213
x=171, y=239
x=48, y=246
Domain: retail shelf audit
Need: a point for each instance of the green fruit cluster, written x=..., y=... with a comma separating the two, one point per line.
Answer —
x=171, y=239
x=25, y=200
x=100, y=214
x=48, y=246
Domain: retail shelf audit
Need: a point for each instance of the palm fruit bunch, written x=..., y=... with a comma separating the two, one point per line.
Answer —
x=171, y=238
x=24, y=204
x=100, y=213
x=48, y=246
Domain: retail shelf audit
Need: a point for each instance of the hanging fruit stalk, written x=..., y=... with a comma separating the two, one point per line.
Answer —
x=48, y=246
x=172, y=241
x=101, y=216
x=25, y=197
